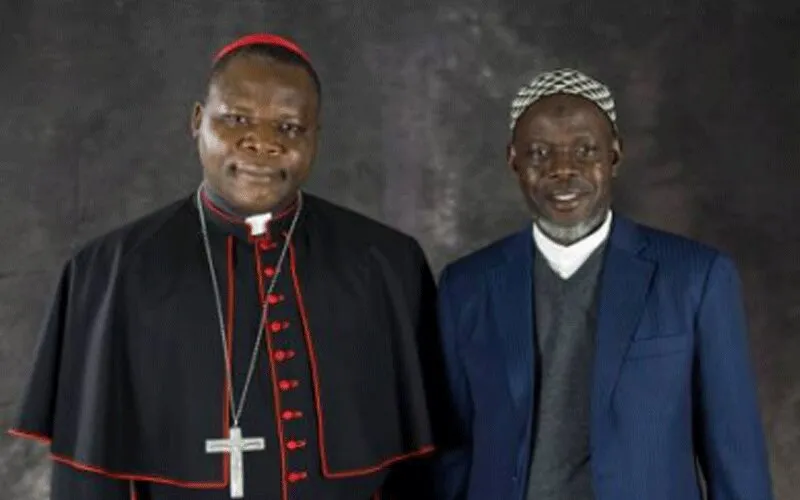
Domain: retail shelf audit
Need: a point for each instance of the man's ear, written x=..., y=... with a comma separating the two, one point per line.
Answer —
x=616, y=157
x=511, y=156
x=197, y=119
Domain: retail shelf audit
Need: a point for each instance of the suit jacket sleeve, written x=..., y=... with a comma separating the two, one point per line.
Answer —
x=731, y=447
x=451, y=470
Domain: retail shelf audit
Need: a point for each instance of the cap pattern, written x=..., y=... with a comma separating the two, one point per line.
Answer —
x=563, y=81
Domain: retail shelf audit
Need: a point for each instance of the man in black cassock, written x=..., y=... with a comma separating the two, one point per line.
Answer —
x=248, y=341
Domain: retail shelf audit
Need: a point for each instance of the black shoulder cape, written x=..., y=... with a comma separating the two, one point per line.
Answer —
x=128, y=379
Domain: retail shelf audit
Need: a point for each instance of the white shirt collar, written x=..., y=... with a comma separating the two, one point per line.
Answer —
x=566, y=260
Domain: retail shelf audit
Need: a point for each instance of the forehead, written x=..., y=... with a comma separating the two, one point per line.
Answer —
x=260, y=81
x=564, y=113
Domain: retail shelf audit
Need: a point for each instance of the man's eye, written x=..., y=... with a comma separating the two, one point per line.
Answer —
x=235, y=120
x=538, y=153
x=586, y=151
x=291, y=128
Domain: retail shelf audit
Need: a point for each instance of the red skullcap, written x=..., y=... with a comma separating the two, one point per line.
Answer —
x=261, y=39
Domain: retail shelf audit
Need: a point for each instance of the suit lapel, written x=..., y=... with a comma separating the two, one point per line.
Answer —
x=511, y=296
x=624, y=286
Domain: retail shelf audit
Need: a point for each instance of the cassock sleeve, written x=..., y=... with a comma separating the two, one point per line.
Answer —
x=731, y=447
x=413, y=479
x=37, y=410
x=36, y=418
x=68, y=483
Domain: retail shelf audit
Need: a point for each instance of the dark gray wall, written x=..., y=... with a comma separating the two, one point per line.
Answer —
x=95, y=100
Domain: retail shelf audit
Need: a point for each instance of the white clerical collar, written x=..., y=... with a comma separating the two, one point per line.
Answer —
x=566, y=260
x=258, y=223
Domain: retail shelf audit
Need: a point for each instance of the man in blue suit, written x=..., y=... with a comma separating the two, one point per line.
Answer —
x=590, y=357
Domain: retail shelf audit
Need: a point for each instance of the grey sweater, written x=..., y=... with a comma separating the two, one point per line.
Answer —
x=565, y=327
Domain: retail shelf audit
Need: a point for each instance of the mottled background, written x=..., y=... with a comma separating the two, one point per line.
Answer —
x=95, y=99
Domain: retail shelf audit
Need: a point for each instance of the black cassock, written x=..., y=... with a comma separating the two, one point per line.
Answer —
x=129, y=380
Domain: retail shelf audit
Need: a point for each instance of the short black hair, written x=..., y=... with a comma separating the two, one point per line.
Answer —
x=271, y=52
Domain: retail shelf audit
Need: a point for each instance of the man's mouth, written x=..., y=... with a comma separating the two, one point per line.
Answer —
x=259, y=173
x=566, y=200
x=566, y=196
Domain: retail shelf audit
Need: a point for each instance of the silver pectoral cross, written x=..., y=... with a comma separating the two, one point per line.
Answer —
x=236, y=446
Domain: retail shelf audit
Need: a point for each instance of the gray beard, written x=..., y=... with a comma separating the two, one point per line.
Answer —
x=567, y=235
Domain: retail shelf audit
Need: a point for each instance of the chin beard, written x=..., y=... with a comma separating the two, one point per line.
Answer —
x=567, y=235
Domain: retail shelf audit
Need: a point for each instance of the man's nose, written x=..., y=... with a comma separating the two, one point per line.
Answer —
x=263, y=139
x=561, y=164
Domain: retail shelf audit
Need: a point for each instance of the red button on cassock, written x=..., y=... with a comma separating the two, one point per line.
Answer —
x=291, y=415
x=274, y=299
x=277, y=326
x=287, y=385
x=284, y=355
x=296, y=445
x=297, y=476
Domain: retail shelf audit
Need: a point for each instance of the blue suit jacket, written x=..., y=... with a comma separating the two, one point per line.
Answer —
x=672, y=382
